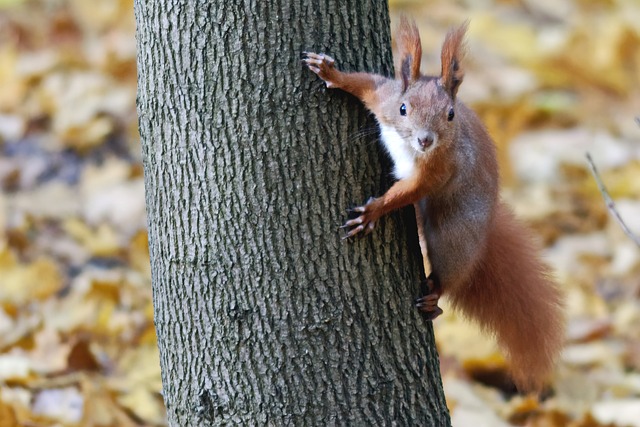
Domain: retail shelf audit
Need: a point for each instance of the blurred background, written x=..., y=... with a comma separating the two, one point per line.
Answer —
x=551, y=79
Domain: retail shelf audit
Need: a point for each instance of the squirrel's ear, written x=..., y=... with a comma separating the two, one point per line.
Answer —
x=451, y=57
x=408, y=52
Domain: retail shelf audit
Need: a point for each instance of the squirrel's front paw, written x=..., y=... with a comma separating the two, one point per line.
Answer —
x=323, y=66
x=365, y=222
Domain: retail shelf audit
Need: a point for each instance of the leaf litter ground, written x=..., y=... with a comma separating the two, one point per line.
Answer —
x=551, y=79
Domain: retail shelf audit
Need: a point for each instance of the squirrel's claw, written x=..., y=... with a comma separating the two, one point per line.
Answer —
x=353, y=232
x=430, y=314
x=353, y=222
x=358, y=225
x=425, y=301
x=428, y=303
x=365, y=222
x=370, y=227
x=322, y=65
x=318, y=59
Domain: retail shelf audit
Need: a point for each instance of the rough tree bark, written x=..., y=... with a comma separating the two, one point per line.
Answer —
x=264, y=316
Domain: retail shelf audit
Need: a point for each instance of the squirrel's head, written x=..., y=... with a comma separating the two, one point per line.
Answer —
x=424, y=114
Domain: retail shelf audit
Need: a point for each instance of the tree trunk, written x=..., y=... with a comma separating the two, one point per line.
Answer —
x=264, y=316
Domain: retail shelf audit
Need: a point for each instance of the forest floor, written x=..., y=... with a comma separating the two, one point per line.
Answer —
x=552, y=79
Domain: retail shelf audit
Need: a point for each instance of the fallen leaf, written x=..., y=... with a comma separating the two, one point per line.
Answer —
x=583, y=329
x=21, y=283
x=49, y=354
x=7, y=415
x=63, y=405
x=81, y=358
x=101, y=241
x=619, y=411
x=470, y=409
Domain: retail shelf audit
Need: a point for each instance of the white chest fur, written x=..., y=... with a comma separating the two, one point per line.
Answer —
x=402, y=155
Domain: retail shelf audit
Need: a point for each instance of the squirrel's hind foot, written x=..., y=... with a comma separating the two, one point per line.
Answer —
x=428, y=303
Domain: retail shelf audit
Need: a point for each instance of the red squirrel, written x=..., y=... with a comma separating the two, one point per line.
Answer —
x=482, y=258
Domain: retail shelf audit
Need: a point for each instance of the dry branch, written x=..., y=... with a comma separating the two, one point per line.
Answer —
x=609, y=201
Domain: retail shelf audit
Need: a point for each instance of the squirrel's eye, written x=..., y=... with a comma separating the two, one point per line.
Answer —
x=403, y=110
x=451, y=114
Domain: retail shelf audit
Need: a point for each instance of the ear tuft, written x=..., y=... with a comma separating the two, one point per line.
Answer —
x=408, y=52
x=453, y=51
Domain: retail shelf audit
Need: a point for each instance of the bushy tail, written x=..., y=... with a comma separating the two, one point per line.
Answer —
x=512, y=295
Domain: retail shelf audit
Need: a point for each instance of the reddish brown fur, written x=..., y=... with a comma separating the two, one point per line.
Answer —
x=453, y=51
x=510, y=293
x=485, y=259
x=408, y=51
x=407, y=191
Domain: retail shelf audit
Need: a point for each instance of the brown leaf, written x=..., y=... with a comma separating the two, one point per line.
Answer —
x=81, y=357
x=587, y=329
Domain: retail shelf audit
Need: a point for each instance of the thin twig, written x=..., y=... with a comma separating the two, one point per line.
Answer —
x=609, y=201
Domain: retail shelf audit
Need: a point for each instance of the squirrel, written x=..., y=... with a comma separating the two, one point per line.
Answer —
x=481, y=257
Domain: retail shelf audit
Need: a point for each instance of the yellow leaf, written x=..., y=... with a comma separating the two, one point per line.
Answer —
x=516, y=41
x=138, y=378
x=100, y=406
x=102, y=241
x=140, y=366
x=7, y=259
x=145, y=404
x=7, y=415
x=89, y=134
x=139, y=253
x=22, y=283
x=13, y=87
x=148, y=337
x=105, y=313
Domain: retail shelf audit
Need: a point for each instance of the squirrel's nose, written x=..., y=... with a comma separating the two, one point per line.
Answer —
x=427, y=139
